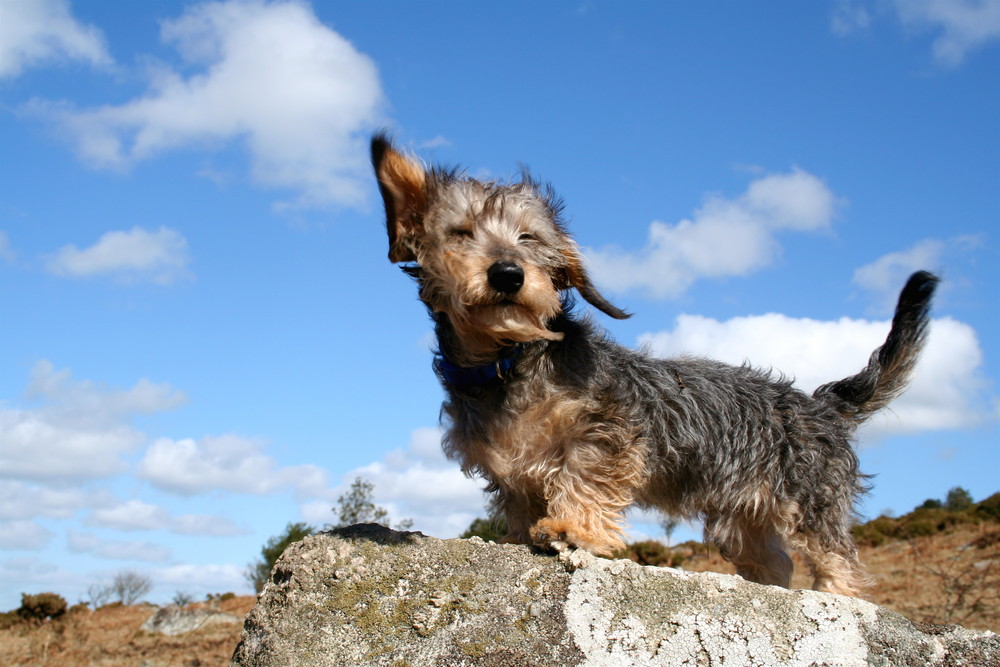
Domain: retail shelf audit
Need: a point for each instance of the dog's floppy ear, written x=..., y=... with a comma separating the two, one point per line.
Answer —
x=577, y=277
x=402, y=181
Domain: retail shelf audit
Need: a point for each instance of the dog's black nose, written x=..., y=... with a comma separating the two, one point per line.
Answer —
x=506, y=277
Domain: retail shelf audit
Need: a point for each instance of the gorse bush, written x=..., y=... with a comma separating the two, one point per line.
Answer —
x=929, y=518
x=41, y=606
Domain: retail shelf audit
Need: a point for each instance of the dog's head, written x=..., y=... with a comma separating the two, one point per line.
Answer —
x=493, y=257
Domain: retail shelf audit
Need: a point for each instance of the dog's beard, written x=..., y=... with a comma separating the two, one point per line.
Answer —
x=484, y=330
x=512, y=322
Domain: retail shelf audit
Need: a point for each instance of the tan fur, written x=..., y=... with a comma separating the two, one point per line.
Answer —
x=552, y=463
x=404, y=179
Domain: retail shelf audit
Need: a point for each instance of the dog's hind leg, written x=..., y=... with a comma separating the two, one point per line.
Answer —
x=757, y=551
x=834, y=570
x=763, y=558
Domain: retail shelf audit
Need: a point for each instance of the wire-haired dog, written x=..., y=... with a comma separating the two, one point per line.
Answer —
x=570, y=429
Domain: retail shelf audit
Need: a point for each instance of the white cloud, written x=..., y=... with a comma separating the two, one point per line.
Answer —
x=26, y=535
x=33, y=32
x=205, y=578
x=850, y=16
x=963, y=25
x=418, y=483
x=115, y=549
x=208, y=525
x=38, y=447
x=27, y=501
x=299, y=96
x=960, y=26
x=85, y=401
x=947, y=391
x=888, y=273
x=131, y=515
x=439, y=141
x=136, y=255
x=885, y=276
x=726, y=237
x=81, y=432
x=228, y=462
x=139, y=515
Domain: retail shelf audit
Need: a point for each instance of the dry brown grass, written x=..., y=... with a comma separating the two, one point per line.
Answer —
x=946, y=578
x=111, y=637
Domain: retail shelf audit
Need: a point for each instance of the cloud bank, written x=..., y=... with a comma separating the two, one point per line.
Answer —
x=296, y=94
x=725, y=237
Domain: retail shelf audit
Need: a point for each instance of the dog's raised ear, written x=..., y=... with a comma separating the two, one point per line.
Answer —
x=402, y=182
x=576, y=276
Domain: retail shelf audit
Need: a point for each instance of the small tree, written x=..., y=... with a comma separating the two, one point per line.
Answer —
x=357, y=506
x=958, y=499
x=99, y=594
x=258, y=571
x=669, y=525
x=182, y=599
x=931, y=504
x=128, y=586
x=490, y=530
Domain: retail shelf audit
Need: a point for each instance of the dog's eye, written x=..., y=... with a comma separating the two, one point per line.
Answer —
x=460, y=233
x=527, y=237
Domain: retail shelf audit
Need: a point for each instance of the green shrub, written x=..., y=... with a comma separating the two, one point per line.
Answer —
x=649, y=552
x=219, y=597
x=489, y=530
x=989, y=508
x=920, y=527
x=868, y=535
x=41, y=606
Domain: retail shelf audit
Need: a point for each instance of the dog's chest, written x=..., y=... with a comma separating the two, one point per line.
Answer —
x=528, y=437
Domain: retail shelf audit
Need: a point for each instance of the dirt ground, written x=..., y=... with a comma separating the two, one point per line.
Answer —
x=112, y=637
x=947, y=578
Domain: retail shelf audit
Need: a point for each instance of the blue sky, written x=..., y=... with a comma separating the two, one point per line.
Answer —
x=201, y=338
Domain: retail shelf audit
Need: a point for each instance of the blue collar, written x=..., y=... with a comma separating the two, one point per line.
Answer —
x=463, y=376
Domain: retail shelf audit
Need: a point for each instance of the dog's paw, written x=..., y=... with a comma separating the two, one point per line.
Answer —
x=561, y=535
x=558, y=535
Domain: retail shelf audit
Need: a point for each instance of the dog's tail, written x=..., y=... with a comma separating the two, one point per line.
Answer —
x=891, y=365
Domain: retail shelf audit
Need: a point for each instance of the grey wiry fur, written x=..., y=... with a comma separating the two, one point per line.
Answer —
x=570, y=429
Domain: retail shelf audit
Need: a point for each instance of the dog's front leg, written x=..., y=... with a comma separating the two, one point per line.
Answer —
x=586, y=500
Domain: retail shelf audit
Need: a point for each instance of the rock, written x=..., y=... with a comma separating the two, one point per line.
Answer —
x=173, y=620
x=367, y=595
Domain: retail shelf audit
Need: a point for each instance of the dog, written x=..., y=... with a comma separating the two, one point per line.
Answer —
x=570, y=429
